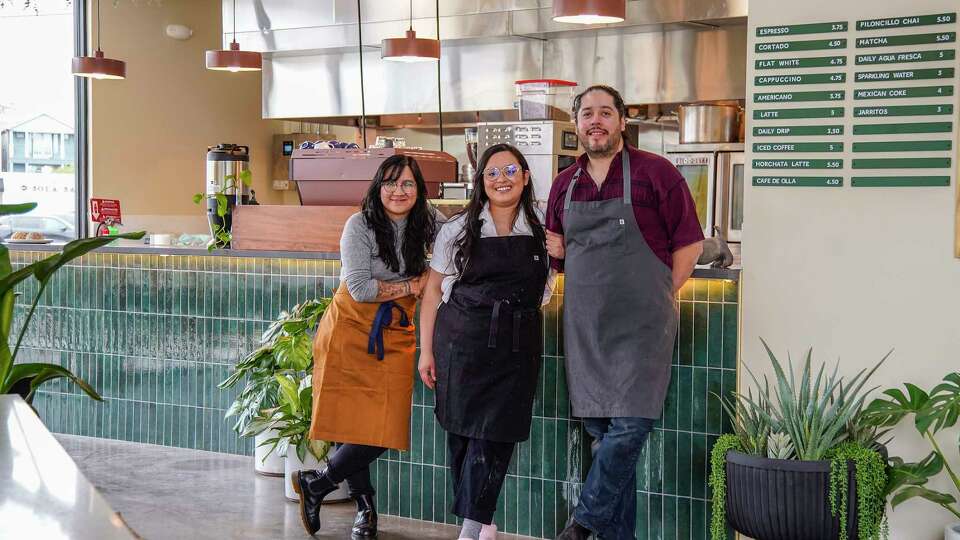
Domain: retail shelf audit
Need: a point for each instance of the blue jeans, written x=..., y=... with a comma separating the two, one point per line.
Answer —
x=608, y=501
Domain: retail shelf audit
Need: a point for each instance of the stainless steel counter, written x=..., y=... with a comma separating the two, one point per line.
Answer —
x=42, y=492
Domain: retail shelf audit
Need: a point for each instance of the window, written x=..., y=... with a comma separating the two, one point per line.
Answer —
x=38, y=115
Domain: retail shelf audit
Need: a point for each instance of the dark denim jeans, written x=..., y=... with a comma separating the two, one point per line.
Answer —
x=608, y=501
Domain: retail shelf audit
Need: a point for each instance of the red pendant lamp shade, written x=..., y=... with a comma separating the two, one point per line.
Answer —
x=234, y=59
x=589, y=11
x=410, y=48
x=98, y=66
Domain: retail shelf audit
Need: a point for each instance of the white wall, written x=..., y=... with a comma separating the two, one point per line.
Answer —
x=854, y=272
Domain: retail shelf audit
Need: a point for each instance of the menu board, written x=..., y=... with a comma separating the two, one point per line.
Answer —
x=866, y=100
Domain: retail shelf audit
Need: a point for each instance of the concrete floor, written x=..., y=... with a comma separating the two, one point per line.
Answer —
x=174, y=493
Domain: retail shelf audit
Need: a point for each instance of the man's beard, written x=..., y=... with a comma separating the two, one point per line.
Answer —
x=602, y=150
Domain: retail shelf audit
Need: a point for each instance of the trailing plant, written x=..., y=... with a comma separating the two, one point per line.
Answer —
x=285, y=345
x=221, y=234
x=293, y=413
x=25, y=378
x=718, y=483
x=932, y=413
x=871, y=478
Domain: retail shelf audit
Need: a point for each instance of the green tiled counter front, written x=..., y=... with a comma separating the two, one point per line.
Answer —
x=155, y=334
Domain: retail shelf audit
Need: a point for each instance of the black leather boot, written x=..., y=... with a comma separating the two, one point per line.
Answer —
x=365, y=525
x=312, y=487
x=574, y=531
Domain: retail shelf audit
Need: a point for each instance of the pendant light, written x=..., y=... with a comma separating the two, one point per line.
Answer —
x=589, y=11
x=410, y=48
x=98, y=66
x=234, y=59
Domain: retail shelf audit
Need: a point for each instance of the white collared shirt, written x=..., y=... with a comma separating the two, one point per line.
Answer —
x=444, y=249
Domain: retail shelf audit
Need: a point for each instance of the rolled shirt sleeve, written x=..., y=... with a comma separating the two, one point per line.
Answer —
x=553, y=220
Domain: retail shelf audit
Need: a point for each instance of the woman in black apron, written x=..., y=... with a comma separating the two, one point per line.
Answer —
x=481, y=331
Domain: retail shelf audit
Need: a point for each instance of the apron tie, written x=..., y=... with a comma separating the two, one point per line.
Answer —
x=495, y=324
x=383, y=319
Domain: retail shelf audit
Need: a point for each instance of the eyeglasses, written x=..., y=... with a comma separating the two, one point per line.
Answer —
x=390, y=186
x=509, y=171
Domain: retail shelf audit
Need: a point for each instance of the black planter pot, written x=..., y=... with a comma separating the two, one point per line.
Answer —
x=779, y=499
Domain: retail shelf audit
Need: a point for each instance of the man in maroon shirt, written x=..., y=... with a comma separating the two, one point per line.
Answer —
x=622, y=225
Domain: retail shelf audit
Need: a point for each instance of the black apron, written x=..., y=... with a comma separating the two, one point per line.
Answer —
x=619, y=310
x=488, y=341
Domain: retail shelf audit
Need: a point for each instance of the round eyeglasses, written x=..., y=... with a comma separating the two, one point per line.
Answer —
x=390, y=186
x=510, y=171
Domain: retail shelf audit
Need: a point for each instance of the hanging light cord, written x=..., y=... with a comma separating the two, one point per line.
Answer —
x=439, y=102
x=411, y=14
x=363, y=105
x=234, y=20
x=98, y=25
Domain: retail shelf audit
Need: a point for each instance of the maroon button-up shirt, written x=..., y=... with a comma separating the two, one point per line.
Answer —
x=665, y=211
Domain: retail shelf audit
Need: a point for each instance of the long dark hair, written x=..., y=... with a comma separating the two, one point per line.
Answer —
x=421, y=224
x=471, y=229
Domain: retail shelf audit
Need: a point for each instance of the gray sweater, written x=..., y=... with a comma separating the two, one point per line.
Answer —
x=360, y=263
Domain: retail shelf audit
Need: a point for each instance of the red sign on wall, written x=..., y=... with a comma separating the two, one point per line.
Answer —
x=101, y=209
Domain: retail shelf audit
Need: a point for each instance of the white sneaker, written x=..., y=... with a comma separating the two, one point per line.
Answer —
x=488, y=532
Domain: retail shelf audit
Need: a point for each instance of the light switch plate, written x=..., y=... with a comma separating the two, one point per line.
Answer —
x=281, y=185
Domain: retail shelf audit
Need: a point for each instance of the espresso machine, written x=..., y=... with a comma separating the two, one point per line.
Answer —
x=550, y=146
x=225, y=160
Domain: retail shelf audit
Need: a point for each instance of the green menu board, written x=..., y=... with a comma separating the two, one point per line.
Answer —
x=881, y=90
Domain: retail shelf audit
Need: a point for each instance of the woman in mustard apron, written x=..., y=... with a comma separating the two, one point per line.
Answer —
x=365, y=344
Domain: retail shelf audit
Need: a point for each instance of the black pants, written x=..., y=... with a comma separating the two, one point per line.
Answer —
x=478, y=468
x=351, y=462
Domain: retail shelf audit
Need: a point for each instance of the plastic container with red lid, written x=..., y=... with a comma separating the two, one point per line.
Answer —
x=545, y=99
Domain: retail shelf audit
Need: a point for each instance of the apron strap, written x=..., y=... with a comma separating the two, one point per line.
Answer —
x=569, y=196
x=627, y=188
x=383, y=319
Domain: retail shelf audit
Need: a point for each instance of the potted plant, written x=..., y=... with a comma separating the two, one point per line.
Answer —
x=293, y=439
x=932, y=412
x=801, y=463
x=25, y=378
x=285, y=345
x=221, y=227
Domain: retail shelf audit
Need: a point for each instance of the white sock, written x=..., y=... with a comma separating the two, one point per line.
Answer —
x=471, y=529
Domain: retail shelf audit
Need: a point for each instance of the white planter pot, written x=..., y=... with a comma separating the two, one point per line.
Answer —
x=273, y=465
x=952, y=532
x=293, y=463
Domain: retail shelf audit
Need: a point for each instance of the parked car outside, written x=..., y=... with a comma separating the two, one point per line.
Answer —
x=52, y=227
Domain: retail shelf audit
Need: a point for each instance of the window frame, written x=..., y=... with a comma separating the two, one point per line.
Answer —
x=81, y=94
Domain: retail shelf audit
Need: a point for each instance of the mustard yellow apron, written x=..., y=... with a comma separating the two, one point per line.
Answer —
x=363, y=372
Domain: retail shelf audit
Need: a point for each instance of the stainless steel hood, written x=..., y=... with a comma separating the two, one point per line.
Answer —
x=666, y=51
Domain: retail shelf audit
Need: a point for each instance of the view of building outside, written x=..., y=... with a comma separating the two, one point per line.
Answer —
x=37, y=132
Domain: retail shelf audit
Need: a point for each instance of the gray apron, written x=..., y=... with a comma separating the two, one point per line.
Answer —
x=619, y=311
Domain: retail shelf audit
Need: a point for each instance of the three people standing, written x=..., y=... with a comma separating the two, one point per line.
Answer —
x=621, y=224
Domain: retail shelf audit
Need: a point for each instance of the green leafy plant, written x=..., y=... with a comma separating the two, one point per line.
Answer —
x=293, y=414
x=932, y=412
x=718, y=483
x=25, y=378
x=221, y=234
x=285, y=345
x=871, y=477
x=807, y=417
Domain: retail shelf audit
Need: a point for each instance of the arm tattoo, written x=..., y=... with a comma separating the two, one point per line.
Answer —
x=392, y=290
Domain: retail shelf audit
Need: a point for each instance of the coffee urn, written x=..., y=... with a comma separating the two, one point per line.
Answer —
x=225, y=160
